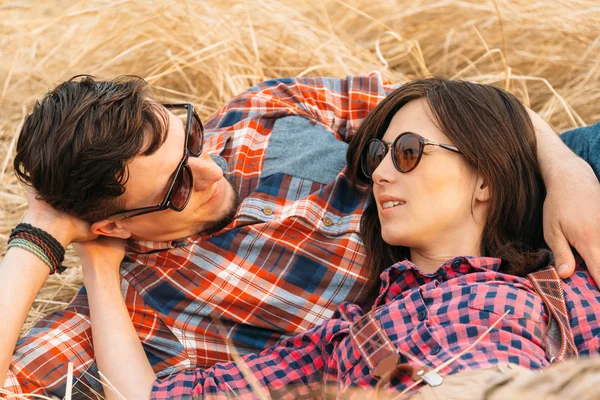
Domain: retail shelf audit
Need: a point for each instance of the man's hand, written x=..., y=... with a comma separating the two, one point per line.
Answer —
x=572, y=217
x=101, y=256
x=64, y=227
x=572, y=206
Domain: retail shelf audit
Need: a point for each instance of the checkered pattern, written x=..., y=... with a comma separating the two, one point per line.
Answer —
x=291, y=255
x=429, y=317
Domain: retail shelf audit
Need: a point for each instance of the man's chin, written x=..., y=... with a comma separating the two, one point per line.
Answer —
x=216, y=226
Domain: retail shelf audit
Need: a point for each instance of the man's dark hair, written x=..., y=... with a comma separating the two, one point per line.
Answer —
x=74, y=147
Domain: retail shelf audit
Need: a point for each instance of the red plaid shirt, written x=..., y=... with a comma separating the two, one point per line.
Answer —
x=291, y=255
x=429, y=318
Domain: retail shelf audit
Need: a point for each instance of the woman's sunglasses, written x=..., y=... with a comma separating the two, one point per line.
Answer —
x=407, y=150
x=180, y=187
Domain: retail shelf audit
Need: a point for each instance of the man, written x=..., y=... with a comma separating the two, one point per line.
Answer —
x=276, y=264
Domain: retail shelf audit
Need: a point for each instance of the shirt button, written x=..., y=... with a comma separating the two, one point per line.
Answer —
x=421, y=315
x=268, y=210
x=327, y=221
x=436, y=350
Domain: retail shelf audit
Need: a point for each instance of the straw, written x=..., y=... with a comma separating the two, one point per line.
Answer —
x=207, y=51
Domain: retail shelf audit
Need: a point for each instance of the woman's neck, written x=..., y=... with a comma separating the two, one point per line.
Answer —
x=430, y=258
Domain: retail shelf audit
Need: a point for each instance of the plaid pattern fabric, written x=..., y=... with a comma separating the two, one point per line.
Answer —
x=560, y=345
x=291, y=255
x=430, y=317
x=375, y=347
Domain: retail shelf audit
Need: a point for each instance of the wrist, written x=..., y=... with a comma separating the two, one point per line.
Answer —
x=98, y=269
x=101, y=279
x=570, y=168
x=53, y=226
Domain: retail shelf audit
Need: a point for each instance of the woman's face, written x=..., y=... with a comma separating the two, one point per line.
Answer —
x=436, y=198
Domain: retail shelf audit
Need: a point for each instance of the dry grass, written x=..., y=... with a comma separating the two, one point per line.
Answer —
x=205, y=51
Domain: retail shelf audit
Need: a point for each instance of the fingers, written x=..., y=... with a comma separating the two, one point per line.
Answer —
x=563, y=256
x=590, y=253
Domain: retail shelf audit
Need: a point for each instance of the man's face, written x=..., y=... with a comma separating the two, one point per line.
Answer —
x=212, y=204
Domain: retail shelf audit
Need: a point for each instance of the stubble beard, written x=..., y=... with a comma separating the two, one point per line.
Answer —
x=213, y=227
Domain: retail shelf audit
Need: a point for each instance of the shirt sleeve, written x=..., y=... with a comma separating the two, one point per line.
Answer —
x=40, y=361
x=583, y=303
x=299, y=362
x=585, y=142
x=339, y=104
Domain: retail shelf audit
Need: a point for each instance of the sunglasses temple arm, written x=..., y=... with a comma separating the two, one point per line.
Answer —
x=449, y=147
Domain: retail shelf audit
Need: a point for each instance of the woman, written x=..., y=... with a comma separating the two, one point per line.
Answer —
x=452, y=228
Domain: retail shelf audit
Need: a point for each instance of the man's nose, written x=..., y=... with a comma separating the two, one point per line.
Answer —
x=205, y=171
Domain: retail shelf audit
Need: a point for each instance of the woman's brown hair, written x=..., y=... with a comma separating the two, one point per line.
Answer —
x=496, y=137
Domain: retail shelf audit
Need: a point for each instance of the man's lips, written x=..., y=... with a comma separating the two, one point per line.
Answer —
x=216, y=194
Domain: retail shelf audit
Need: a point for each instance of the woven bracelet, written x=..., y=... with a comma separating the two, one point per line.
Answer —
x=39, y=241
x=41, y=234
x=47, y=238
x=32, y=248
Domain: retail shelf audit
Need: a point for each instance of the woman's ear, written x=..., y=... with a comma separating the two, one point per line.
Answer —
x=482, y=190
x=107, y=227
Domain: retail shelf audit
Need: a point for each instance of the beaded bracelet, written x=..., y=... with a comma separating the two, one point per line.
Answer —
x=40, y=243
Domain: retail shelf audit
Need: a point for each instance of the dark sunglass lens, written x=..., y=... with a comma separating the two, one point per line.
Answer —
x=181, y=189
x=196, y=139
x=406, y=151
x=374, y=155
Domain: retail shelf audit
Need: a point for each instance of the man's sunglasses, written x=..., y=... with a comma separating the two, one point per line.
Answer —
x=180, y=187
x=407, y=150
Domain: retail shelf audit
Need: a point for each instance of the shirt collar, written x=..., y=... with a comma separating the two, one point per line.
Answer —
x=405, y=275
x=148, y=246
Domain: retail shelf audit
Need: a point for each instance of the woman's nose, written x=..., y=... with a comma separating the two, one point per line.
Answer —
x=385, y=171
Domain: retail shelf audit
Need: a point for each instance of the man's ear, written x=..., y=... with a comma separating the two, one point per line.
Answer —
x=107, y=227
x=482, y=190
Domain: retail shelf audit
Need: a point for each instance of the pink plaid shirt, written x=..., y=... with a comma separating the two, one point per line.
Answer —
x=428, y=318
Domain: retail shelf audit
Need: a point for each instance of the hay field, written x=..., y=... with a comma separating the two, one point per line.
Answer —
x=547, y=52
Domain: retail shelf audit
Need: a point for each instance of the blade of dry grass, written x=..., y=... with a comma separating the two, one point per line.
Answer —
x=207, y=51
x=69, y=388
x=257, y=389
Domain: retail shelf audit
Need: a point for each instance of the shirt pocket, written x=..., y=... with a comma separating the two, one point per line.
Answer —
x=520, y=302
x=287, y=201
